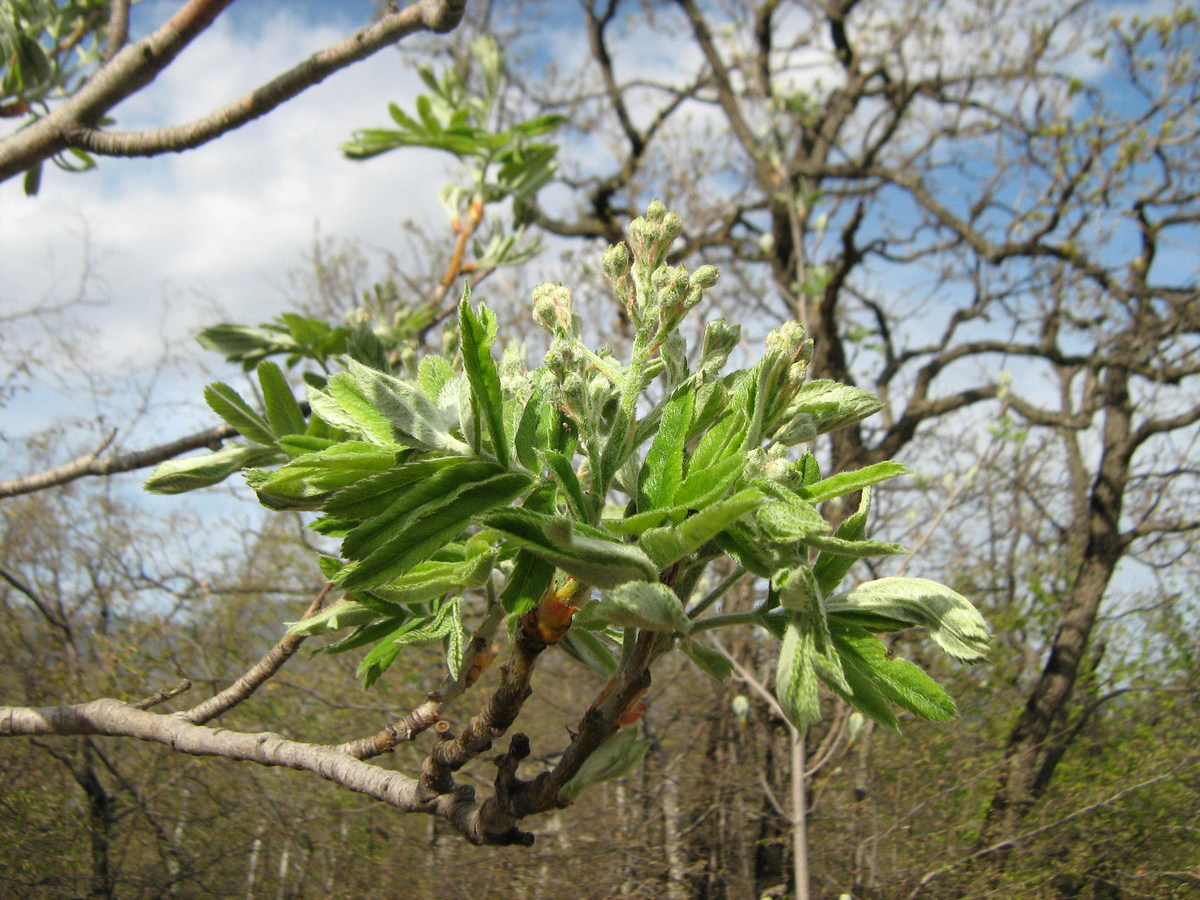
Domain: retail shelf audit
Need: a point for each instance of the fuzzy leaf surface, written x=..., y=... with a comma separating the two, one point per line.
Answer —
x=949, y=617
x=636, y=604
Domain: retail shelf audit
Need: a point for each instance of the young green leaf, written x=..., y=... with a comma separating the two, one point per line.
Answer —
x=901, y=682
x=228, y=404
x=283, y=412
x=530, y=578
x=832, y=405
x=564, y=475
x=380, y=657
x=861, y=690
x=853, y=549
x=848, y=482
x=431, y=580
x=433, y=372
x=705, y=484
x=722, y=440
x=413, y=417
x=342, y=405
x=796, y=679
x=786, y=517
x=593, y=560
x=533, y=430
x=177, y=476
x=830, y=568
x=392, y=495
x=343, y=614
x=798, y=593
x=667, y=545
x=311, y=479
x=429, y=529
x=635, y=604
x=662, y=471
x=948, y=616
x=590, y=650
x=476, y=333
x=612, y=759
x=365, y=635
x=295, y=445
x=713, y=662
x=445, y=624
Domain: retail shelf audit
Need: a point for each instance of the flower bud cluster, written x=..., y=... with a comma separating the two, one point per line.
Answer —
x=782, y=372
x=639, y=282
x=552, y=310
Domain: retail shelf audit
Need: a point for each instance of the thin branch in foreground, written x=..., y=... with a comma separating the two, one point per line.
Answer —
x=93, y=464
x=163, y=695
x=270, y=663
x=136, y=65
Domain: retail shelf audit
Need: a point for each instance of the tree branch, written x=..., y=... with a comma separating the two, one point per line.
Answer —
x=135, y=66
x=270, y=663
x=116, y=719
x=93, y=464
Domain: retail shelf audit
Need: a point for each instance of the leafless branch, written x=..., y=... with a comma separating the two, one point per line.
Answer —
x=258, y=674
x=136, y=65
x=94, y=464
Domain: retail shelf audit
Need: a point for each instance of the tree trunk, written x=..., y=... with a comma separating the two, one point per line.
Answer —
x=100, y=822
x=1048, y=701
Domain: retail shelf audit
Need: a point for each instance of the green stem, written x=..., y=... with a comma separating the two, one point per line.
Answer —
x=716, y=593
x=722, y=621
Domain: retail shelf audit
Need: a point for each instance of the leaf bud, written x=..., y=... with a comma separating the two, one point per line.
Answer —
x=801, y=428
x=543, y=306
x=719, y=340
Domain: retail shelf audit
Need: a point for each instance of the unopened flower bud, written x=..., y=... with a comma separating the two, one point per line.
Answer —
x=616, y=261
x=543, y=306
x=656, y=210
x=552, y=308
x=672, y=227
x=705, y=277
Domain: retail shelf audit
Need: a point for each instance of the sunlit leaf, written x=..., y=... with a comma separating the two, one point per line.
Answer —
x=672, y=543
x=177, y=476
x=662, y=471
x=948, y=616
x=476, y=333
x=283, y=412
x=848, y=482
x=413, y=417
x=429, y=529
x=595, y=561
x=226, y=403
x=635, y=604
